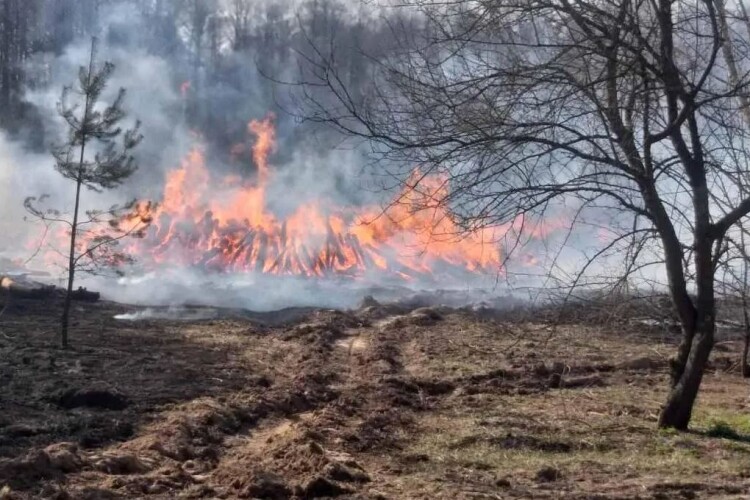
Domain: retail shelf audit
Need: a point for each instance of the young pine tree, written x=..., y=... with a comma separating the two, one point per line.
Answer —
x=97, y=153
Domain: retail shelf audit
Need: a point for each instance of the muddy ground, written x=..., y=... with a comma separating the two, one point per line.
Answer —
x=375, y=403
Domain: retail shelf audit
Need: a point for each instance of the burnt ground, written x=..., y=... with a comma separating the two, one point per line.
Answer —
x=375, y=403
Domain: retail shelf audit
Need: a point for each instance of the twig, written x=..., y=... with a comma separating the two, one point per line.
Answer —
x=39, y=247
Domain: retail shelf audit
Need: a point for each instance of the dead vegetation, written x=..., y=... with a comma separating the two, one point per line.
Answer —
x=383, y=402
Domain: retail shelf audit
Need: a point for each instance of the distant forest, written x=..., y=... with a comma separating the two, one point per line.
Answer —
x=226, y=56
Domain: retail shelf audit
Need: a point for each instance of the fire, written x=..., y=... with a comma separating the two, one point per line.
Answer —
x=223, y=224
x=185, y=88
x=265, y=144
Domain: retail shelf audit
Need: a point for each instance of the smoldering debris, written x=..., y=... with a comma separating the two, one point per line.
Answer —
x=176, y=313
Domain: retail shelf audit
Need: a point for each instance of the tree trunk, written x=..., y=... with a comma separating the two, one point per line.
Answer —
x=7, y=62
x=72, y=261
x=678, y=364
x=746, y=347
x=698, y=337
x=679, y=407
x=71, y=264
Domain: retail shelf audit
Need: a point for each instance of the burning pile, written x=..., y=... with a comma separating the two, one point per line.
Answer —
x=224, y=225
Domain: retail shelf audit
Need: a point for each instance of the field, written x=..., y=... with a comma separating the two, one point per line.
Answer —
x=380, y=402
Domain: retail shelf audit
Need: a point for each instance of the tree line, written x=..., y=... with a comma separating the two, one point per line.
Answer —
x=219, y=51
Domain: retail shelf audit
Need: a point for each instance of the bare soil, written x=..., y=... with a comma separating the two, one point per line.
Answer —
x=382, y=402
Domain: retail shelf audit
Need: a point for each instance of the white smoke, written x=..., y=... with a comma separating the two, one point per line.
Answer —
x=308, y=172
x=22, y=174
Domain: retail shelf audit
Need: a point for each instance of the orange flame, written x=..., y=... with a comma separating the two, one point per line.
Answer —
x=264, y=146
x=185, y=88
x=223, y=224
x=226, y=226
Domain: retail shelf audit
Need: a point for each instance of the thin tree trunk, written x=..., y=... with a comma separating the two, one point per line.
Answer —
x=745, y=313
x=71, y=261
x=729, y=57
x=7, y=62
x=746, y=347
x=745, y=16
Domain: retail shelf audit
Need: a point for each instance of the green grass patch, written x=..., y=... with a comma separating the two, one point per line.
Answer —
x=723, y=424
x=721, y=429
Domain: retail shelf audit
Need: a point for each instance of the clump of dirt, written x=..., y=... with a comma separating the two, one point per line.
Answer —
x=349, y=472
x=119, y=464
x=424, y=316
x=65, y=457
x=23, y=472
x=93, y=397
x=195, y=431
x=414, y=392
x=371, y=310
x=548, y=475
x=265, y=485
x=308, y=390
x=323, y=487
x=379, y=430
x=289, y=458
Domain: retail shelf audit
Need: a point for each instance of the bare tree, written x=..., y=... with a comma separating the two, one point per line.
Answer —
x=735, y=261
x=628, y=106
x=735, y=289
x=240, y=17
x=194, y=19
x=93, y=127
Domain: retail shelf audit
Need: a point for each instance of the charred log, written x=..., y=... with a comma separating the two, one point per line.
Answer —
x=84, y=295
x=25, y=289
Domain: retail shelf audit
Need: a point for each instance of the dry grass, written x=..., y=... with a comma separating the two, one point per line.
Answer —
x=455, y=407
x=602, y=440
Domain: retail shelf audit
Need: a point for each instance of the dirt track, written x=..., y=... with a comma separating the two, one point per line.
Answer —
x=376, y=403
